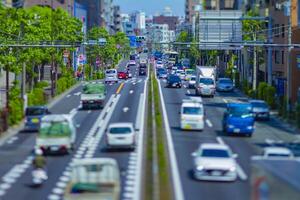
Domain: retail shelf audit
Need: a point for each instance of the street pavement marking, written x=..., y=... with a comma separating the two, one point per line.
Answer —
x=225, y=100
x=188, y=92
x=131, y=91
x=120, y=88
x=125, y=109
x=174, y=170
x=242, y=175
x=208, y=122
x=68, y=96
x=12, y=140
x=77, y=93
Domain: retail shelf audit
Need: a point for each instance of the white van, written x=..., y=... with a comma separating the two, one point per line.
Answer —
x=111, y=76
x=57, y=134
x=94, y=179
x=192, y=114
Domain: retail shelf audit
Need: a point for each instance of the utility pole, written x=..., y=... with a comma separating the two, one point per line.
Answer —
x=270, y=40
x=288, y=81
x=254, y=82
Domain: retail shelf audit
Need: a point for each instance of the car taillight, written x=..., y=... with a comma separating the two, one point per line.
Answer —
x=63, y=147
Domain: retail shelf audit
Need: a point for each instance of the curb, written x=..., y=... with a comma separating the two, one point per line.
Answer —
x=18, y=127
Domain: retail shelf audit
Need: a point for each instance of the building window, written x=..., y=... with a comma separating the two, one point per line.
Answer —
x=276, y=30
x=282, y=30
x=277, y=57
x=282, y=57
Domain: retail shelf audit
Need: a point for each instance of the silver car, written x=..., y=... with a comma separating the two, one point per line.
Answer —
x=224, y=85
x=260, y=109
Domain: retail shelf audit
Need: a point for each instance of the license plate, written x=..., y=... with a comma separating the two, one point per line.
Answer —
x=54, y=148
x=216, y=173
x=236, y=130
x=120, y=138
x=35, y=120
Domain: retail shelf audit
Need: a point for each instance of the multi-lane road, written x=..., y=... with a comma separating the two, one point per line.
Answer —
x=122, y=105
x=126, y=102
x=186, y=142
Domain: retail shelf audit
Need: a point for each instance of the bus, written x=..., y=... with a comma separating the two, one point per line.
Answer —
x=172, y=56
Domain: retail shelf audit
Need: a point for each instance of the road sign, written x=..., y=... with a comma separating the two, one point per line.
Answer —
x=132, y=40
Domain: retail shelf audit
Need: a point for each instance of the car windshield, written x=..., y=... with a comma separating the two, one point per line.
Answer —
x=259, y=104
x=55, y=129
x=278, y=155
x=218, y=153
x=159, y=62
x=34, y=111
x=192, y=111
x=193, y=79
x=240, y=111
x=206, y=81
x=174, y=78
x=228, y=81
x=120, y=130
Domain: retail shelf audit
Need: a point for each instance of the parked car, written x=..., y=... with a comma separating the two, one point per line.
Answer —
x=214, y=162
x=260, y=109
x=120, y=135
x=277, y=152
x=33, y=116
x=122, y=75
x=192, y=82
x=238, y=119
x=174, y=81
x=224, y=85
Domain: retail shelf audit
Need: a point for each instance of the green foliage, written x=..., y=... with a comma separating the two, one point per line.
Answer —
x=15, y=105
x=269, y=95
x=87, y=72
x=42, y=84
x=66, y=81
x=252, y=93
x=261, y=90
x=36, y=97
x=98, y=75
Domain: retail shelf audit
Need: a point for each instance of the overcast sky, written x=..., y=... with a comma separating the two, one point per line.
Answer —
x=151, y=7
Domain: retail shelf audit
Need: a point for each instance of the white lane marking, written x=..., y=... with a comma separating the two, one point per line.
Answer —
x=131, y=91
x=225, y=100
x=89, y=111
x=12, y=140
x=125, y=109
x=184, y=86
x=188, y=92
x=208, y=122
x=175, y=172
x=54, y=197
x=77, y=93
x=68, y=96
x=243, y=176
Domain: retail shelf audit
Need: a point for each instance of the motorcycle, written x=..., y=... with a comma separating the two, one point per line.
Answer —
x=39, y=176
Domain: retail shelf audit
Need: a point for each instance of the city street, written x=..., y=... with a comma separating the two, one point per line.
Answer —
x=16, y=153
x=186, y=142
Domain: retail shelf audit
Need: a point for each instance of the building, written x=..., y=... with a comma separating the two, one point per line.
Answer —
x=190, y=9
x=6, y=3
x=107, y=13
x=67, y=5
x=167, y=11
x=160, y=33
x=117, y=19
x=140, y=19
x=128, y=28
x=172, y=21
x=280, y=56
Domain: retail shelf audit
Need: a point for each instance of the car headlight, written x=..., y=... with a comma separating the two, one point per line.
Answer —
x=232, y=169
x=200, y=168
x=249, y=127
x=230, y=126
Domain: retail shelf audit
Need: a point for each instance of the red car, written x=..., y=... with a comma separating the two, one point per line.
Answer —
x=122, y=75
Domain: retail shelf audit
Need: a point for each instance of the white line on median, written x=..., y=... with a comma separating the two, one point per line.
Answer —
x=208, y=122
x=225, y=100
x=174, y=167
x=243, y=176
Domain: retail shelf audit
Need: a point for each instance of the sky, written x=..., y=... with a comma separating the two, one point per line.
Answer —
x=151, y=7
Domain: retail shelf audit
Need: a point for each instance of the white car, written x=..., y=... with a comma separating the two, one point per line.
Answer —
x=120, y=135
x=192, y=114
x=192, y=82
x=214, y=162
x=277, y=152
x=111, y=75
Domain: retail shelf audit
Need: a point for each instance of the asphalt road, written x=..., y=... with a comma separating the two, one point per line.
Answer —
x=16, y=154
x=185, y=142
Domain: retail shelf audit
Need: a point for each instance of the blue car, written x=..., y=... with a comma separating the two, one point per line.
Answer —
x=33, y=116
x=238, y=119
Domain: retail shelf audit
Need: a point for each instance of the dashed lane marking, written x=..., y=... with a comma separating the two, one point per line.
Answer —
x=68, y=96
x=77, y=93
x=131, y=91
x=225, y=100
x=188, y=92
x=208, y=122
x=125, y=109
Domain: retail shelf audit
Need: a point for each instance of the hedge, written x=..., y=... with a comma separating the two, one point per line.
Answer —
x=261, y=90
x=15, y=105
x=36, y=97
x=269, y=93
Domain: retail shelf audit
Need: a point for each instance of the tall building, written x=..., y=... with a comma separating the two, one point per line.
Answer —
x=107, y=14
x=140, y=19
x=117, y=19
x=190, y=9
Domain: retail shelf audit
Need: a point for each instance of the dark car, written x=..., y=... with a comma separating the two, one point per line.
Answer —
x=224, y=85
x=143, y=70
x=174, y=81
x=33, y=116
x=260, y=109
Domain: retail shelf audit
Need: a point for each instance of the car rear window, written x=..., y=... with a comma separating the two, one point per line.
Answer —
x=120, y=130
x=278, y=155
x=218, y=153
x=35, y=111
x=192, y=111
